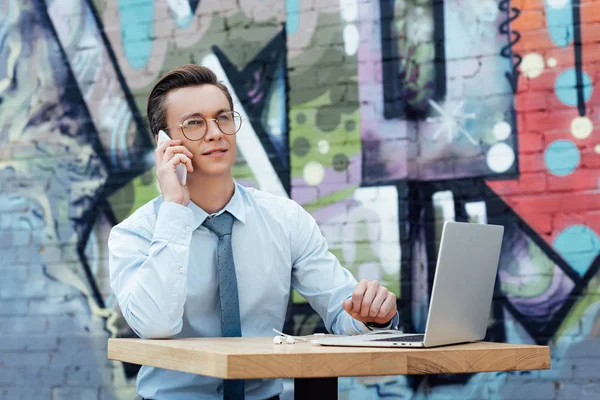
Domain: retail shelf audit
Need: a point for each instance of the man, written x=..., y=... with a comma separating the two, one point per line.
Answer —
x=213, y=258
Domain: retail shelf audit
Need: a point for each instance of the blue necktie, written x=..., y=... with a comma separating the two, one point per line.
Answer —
x=221, y=225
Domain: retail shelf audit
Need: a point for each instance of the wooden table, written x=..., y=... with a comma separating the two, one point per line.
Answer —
x=316, y=368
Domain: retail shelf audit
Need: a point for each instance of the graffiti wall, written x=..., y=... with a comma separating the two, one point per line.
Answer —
x=382, y=118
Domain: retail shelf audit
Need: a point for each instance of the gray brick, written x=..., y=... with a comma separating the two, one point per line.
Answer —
x=57, y=289
x=590, y=391
x=123, y=393
x=7, y=257
x=107, y=373
x=25, y=393
x=49, y=377
x=588, y=348
x=8, y=375
x=77, y=344
x=31, y=289
x=21, y=238
x=528, y=389
x=28, y=342
x=44, y=343
x=587, y=368
x=99, y=375
x=77, y=375
x=88, y=358
x=568, y=391
x=13, y=273
x=64, y=305
x=74, y=393
x=12, y=343
x=79, y=323
x=14, y=360
x=24, y=376
x=22, y=325
x=13, y=307
x=29, y=254
x=62, y=360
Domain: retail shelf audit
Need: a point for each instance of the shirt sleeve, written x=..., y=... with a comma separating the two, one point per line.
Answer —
x=148, y=271
x=320, y=278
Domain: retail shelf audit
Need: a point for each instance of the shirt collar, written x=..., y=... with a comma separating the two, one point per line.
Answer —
x=235, y=207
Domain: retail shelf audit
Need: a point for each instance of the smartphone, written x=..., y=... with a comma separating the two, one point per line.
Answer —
x=180, y=169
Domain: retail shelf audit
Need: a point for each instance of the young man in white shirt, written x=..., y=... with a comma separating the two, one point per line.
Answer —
x=213, y=258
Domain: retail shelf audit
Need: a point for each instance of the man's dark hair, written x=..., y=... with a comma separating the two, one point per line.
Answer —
x=184, y=76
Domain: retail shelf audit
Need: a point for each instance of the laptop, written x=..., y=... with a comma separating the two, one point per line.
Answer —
x=462, y=292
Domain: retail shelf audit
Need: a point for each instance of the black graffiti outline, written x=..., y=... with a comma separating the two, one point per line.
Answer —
x=577, y=49
x=267, y=59
x=507, y=50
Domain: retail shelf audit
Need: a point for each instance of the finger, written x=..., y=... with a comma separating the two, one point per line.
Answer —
x=181, y=158
x=388, y=308
x=189, y=166
x=160, y=150
x=372, y=289
x=382, y=294
x=179, y=149
x=347, y=304
x=168, y=143
x=357, y=296
x=172, y=150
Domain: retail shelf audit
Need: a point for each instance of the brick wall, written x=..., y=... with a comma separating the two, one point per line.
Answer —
x=382, y=118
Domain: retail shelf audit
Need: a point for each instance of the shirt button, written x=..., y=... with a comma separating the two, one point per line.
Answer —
x=180, y=271
x=188, y=228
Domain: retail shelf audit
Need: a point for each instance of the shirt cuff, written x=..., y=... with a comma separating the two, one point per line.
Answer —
x=173, y=223
x=361, y=327
x=393, y=323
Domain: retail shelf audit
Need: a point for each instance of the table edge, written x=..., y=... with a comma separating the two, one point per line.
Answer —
x=226, y=366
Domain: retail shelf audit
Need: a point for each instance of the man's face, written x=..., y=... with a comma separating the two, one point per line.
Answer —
x=209, y=102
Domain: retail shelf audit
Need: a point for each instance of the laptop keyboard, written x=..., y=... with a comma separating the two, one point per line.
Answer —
x=410, y=338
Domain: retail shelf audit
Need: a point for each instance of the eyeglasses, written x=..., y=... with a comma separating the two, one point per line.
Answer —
x=229, y=122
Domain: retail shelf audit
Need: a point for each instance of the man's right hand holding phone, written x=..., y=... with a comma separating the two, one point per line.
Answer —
x=168, y=155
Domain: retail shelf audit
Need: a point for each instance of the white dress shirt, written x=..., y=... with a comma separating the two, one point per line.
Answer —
x=163, y=273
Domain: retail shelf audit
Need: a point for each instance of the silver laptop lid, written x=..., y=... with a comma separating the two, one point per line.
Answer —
x=464, y=281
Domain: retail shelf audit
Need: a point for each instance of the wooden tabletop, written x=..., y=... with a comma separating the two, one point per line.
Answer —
x=249, y=358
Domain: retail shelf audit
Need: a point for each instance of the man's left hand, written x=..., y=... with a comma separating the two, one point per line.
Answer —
x=371, y=302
